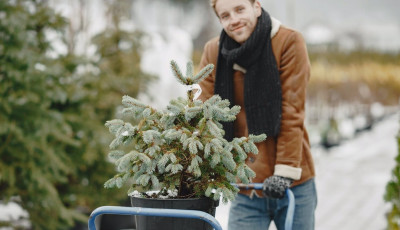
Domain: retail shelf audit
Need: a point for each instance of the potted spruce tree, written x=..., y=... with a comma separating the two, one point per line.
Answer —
x=178, y=157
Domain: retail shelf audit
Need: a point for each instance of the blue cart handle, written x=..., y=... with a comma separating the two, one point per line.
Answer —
x=118, y=210
x=290, y=211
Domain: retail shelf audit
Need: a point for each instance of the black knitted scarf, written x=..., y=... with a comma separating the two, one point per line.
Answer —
x=262, y=86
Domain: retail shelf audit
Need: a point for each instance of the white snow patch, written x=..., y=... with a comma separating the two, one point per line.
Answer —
x=319, y=34
x=15, y=215
x=11, y=212
x=170, y=194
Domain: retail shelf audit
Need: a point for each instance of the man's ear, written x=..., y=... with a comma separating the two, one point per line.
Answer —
x=257, y=6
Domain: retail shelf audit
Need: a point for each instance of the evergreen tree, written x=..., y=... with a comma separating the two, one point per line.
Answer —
x=52, y=138
x=393, y=194
x=182, y=148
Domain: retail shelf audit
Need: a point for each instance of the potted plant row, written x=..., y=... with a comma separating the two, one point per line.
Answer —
x=178, y=157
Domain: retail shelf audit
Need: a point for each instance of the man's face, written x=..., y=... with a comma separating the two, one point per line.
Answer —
x=238, y=17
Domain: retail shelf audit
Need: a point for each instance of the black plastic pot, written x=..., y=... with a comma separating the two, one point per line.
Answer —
x=155, y=223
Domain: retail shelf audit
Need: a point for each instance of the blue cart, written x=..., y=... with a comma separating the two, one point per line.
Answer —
x=178, y=213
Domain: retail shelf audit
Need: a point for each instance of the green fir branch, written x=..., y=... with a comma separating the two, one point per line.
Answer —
x=205, y=72
x=189, y=70
x=178, y=74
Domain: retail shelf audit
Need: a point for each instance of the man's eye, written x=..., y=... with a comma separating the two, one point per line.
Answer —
x=240, y=9
x=224, y=16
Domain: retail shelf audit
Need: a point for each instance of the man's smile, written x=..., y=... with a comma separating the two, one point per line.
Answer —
x=237, y=28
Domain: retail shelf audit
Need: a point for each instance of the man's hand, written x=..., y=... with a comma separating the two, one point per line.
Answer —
x=275, y=186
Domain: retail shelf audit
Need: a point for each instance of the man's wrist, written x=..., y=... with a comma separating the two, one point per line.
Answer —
x=287, y=171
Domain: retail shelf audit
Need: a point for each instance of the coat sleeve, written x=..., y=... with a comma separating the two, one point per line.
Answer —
x=294, y=73
x=209, y=56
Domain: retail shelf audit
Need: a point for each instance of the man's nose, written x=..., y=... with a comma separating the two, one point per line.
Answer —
x=234, y=19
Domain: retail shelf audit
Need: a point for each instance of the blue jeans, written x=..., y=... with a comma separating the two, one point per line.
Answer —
x=257, y=213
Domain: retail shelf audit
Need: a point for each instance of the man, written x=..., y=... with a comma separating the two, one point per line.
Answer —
x=264, y=67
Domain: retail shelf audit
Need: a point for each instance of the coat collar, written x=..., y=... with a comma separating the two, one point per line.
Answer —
x=276, y=24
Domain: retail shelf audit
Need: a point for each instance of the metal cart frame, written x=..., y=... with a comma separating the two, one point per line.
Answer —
x=179, y=213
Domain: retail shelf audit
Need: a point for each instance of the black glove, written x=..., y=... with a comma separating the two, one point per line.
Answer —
x=275, y=186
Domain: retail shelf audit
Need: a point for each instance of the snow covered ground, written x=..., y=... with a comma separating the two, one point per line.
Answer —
x=351, y=180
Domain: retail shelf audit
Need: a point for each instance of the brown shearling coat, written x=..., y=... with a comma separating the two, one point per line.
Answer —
x=289, y=154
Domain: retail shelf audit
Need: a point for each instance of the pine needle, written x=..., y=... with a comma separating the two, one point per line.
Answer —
x=177, y=73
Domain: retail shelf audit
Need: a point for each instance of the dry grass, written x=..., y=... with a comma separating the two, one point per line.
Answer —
x=365, y=81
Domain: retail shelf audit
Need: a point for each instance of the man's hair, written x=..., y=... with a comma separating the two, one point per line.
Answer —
x=213, y=2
